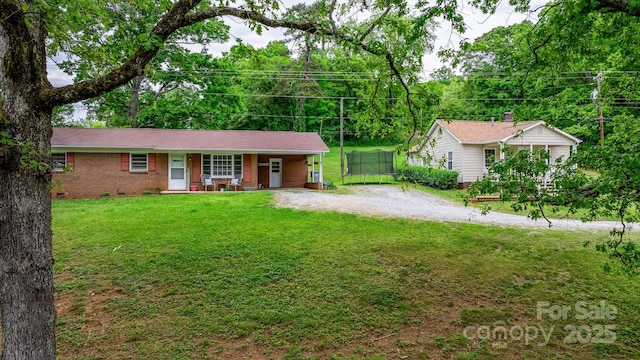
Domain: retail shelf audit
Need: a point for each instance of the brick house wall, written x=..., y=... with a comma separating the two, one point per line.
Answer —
x=100, y=173
x=95, y=174
x=250, y=170
x=194, y=162
x=294, y=170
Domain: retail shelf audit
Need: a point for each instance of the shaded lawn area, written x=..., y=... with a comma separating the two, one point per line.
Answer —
x=231, y=275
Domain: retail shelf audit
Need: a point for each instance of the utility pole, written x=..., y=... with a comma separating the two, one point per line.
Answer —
x=599, y=79
x=341, y=140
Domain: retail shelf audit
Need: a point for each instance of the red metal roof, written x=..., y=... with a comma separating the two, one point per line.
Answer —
x=190, y=140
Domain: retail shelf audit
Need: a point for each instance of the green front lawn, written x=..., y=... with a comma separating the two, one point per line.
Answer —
x=231, y=275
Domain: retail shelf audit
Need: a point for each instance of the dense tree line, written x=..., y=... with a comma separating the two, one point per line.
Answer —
x=543, y=71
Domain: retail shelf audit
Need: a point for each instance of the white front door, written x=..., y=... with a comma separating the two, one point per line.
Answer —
x=275, y=173
x=489, y=159
x=177, y=172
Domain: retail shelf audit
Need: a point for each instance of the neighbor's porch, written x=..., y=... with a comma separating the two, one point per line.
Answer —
x=496, y=151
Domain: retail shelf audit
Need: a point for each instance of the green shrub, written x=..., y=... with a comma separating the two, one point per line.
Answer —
x=435, y=178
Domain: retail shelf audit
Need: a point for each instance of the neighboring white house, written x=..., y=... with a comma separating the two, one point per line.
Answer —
x=469, y=146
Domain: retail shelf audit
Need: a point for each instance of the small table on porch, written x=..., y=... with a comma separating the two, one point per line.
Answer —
x=218, y=184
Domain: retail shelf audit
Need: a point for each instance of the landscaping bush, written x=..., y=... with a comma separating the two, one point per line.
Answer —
x=435, y=178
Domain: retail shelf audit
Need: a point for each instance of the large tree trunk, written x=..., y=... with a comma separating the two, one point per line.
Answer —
x=26, y=263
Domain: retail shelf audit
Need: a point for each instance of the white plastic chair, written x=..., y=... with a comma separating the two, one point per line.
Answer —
x=235, y=182
x=206, y=181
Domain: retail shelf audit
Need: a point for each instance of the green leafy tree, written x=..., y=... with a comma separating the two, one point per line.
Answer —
x=521, y=178
x=547, y=71
x=172, y=74
x=268, y=79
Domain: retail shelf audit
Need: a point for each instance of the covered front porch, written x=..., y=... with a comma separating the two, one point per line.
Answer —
x=556, y=152
x=250, y=172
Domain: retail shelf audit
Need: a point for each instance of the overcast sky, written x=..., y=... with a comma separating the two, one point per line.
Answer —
x=477, y=23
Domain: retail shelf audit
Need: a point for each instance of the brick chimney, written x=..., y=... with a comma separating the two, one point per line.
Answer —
x=507, y=116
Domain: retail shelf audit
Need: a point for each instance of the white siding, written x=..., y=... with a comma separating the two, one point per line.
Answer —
x=444, y=144
x=474, y=162
x=414, y=160
x=558, y=151
x=468, y=159
x=540, y=135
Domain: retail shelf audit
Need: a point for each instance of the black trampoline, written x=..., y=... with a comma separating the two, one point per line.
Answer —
x=369, y=163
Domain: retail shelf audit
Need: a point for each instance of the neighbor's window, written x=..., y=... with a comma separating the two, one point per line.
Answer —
x=222, y=165
x=489, y=157
x=139, y=162
x=450, y=160
x=59, y=161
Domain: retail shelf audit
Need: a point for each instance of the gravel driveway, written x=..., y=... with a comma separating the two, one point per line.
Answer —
x=393, y=201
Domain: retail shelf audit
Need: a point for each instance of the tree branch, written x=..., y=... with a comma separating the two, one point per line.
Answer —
x=173, y=20
x=179, y=17
x=374, y=23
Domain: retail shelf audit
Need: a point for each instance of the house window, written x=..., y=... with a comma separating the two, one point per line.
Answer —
x=237, y=166
x=222, y=165
x=139, y=162
x=59, y=161
x=489, y=157
x=450, y=160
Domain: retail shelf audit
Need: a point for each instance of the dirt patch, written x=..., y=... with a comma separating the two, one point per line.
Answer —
x=87, y=317
x=98, y=316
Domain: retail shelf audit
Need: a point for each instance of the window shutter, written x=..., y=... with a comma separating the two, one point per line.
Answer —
x=152, y=162
x=71, y=161
x=124, y=162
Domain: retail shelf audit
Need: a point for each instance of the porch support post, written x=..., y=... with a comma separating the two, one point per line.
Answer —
x=321, y=168
x=530, y=148
x=313, y=167
x=546, y=149
x=501, y=152
x=547, y=176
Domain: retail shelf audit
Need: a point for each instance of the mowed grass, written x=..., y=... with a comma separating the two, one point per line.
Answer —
x=331, y=165
x=233, y=276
